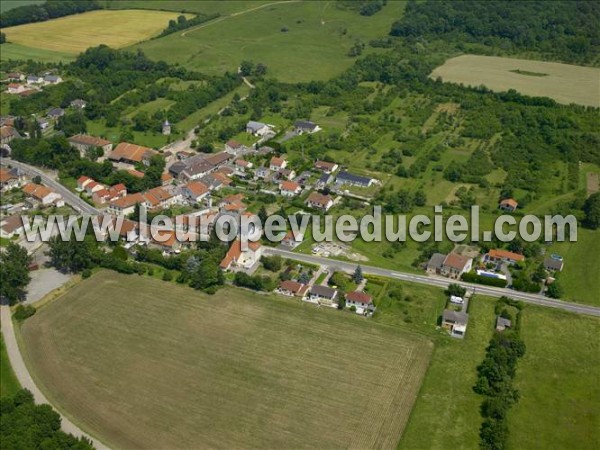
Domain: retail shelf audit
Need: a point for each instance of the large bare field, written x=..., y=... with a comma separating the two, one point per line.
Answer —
x=563, y=82
x=141, y=363
x=74, y=34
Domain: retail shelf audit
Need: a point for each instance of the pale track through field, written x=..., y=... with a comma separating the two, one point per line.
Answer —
x=236, y=14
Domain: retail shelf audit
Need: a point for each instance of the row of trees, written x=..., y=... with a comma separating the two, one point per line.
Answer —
x=495, y=377
x=183, y=22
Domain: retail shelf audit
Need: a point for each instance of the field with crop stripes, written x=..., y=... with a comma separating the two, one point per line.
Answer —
x=144, y=363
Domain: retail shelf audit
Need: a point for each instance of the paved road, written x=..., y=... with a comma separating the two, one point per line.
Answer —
x=69, y=197
x=20, y=369
x=439, y=282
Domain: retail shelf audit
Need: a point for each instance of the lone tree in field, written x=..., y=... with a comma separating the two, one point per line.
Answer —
x=358, y=275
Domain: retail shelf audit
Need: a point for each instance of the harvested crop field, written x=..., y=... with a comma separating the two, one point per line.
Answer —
x=74, y=34
x=169, y=367
x=562, y=82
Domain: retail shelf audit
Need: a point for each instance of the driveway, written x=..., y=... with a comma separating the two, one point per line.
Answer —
x=43, y=282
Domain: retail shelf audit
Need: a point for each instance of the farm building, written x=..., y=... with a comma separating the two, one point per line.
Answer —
x=85, y=142
x=132, y=154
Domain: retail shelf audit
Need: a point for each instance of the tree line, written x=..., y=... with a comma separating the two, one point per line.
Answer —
x=26, y=425
x=51, y=9
x=564, y=30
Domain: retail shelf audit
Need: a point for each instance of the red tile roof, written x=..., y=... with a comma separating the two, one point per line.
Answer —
x=505, y=254
x=359, y=297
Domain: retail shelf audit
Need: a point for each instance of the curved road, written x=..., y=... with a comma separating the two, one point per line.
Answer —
x=22, y=374
x=440, y=282
x=69, y=197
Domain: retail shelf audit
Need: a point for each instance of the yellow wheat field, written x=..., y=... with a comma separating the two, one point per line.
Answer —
x=74, y=34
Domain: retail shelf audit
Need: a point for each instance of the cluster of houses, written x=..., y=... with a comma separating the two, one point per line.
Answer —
x=323, y=295
x=25, y=85
x=454, y=265
x=35, y=196
x=99, y=193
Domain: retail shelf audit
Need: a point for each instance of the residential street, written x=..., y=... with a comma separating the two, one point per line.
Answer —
x=22, y=374
x=69, y=197
x=439, y=281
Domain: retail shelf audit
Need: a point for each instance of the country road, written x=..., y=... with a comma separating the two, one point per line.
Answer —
x=69, y=197
x=439, y=282
x=26, y=381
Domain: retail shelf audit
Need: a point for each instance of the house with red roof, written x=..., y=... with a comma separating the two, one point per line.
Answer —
x=508, y=204
x=319, y=201
x=292, y=288
x=289, y=188
x=455, y=265
x=239, y=258
x=362, y=302
x=195, y=191
x=498, y=255
x=277, y=163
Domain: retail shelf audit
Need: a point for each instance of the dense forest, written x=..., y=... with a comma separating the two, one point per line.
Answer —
x=46, y=11
x=565, y=30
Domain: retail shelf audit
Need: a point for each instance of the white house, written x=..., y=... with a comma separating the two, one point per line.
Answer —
x=277, y=163
x=322, y=295
x=16, y=88
x=238, y=258
x=290, y=188
x=306, y=126
x=361, y=301
x=257, y=128
x=234, y=147
x=319, y=201
x=11, y=226
x=42, y=195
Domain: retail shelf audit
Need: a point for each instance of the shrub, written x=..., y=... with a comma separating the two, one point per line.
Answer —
x=23, y=312
x=167, y=276
x=86, y=273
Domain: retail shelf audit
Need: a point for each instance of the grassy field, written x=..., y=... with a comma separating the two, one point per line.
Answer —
x=559, y=382
x=74, y=34
x=188, y=6
x=563, y=82
x=24, y=53
x=319, y=32
x=446, y=414
x=232, y=370
x=8, y=381
x=579, y=277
